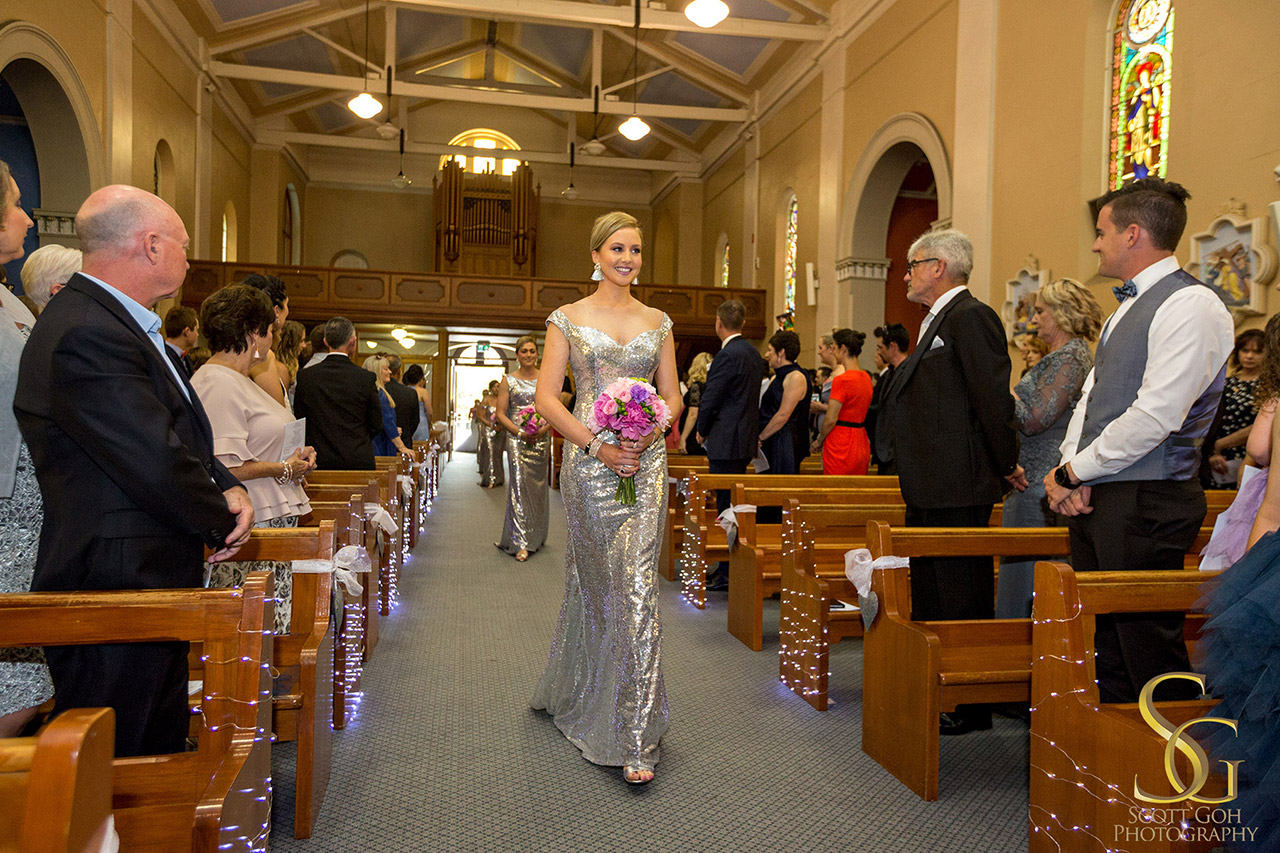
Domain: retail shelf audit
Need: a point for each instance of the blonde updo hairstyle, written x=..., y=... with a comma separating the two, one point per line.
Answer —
x=1073, y=308
x=526, y=339
x=698, y=369
x=609, y=223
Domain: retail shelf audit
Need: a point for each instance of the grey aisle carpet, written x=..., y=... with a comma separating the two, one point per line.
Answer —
x=445, y=753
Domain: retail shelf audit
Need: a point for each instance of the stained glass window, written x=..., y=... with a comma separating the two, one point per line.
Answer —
x=1141, y=71
x=724, y=267
x=789, y=272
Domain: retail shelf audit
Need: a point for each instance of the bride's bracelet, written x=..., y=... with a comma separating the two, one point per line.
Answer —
x=593, y=447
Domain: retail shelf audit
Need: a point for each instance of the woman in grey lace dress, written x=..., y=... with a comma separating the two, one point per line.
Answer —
x=528, y=458
x=1068, y=320
x=603, y=680
x=24, y=679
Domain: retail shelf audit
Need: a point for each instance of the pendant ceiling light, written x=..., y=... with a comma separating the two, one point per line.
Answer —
x=400, y=182
x=594, y=146
x=364, y=104
x=387, y=130
x=706, y=13
x=635, y=128
x=570, y=192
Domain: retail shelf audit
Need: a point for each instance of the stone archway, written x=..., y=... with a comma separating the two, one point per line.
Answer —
x=64, y=128
x=868, y=203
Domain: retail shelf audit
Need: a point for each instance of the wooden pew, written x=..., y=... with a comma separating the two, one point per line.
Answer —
x=1086, y=756
x=55, y=789
x=389, y=497
x=371, y=597
x=679, y=467
x=216, y=798
x=351, y=646
x=305, y=680
x=704, y=541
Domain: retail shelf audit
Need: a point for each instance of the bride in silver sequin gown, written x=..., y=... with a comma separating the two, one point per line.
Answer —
x=529, y=460
x=603, y=680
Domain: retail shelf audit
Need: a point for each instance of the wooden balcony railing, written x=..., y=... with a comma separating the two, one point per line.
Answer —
x=371, y=296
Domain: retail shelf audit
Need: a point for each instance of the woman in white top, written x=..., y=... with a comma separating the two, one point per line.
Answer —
x=249, y=427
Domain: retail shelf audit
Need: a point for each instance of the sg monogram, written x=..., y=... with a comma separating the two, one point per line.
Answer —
x=1178, y=741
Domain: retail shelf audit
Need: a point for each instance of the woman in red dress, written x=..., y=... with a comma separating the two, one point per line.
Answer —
x=843, y=440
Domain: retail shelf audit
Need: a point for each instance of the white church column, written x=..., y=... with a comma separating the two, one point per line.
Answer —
x=119, y=86
x=834, y=302
x=861, y=282
x=750, y=258
x=975, y=135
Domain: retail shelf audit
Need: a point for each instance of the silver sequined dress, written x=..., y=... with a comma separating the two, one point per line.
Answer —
x=489, y=451
x=603, y=681
x=528, y=471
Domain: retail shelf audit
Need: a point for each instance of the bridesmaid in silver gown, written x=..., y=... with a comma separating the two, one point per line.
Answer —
x=603, y=680
x=491, y=442
x=528, y=459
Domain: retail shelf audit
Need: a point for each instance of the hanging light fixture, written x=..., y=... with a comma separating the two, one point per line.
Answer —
x=364, y=104
x=635, y=128
x=400, y=182
x=570, y=192
x=594, y=146
x=706, y=13
x=387, y=130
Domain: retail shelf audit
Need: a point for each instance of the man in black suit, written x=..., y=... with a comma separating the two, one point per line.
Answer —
x=181, y=333
x=892, y=343
x=406, y=401
x=124, y=454
x=339, y=399
x=948, y=423
x=729, y=414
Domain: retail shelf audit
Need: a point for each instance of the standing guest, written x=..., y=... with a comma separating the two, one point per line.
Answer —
x=892, y=342
x=24, y=678
x=406, y=401
x=314, y=346
x=828, y=359
x=688, y=442
x=267, y=372
x=248, y=429
x=1239, y=408
x=387, y=441
x=181, y=332
x=124, y=453
x=603, y=681
x=1131, y=458
x=490, y=439
x=843, y=441
x=340, y=402
x=528, y=458
x=1069, y=319
x=727, y=422
x=416, y=379
x=47, y=270
x=1032, y=348
x=784, y=431
x=947, y=421
x=288, y=348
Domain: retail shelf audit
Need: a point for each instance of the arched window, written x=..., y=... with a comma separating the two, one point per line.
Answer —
x=290, y=246
x=230, y=233
x=724, y=265
x=789, y=271
x=482, y=137
x=162, y=172
x=1141, y=71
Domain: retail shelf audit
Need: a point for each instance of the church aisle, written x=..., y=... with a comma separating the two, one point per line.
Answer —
x=445, y=753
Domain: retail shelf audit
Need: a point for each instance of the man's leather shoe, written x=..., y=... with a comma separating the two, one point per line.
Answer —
x=956, y=724
x=716, y=583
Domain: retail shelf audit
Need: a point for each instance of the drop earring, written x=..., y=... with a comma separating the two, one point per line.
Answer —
x=597, y=275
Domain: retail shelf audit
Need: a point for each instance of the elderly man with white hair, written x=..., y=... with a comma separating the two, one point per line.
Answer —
x=123, y=451
x=47, y=270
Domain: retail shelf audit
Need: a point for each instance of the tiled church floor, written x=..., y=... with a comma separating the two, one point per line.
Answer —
x=445, y=753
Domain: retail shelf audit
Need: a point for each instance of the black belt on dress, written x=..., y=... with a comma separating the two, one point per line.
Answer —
x=861, y=425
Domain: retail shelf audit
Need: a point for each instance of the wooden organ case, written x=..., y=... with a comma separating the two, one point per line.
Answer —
x=486, y=224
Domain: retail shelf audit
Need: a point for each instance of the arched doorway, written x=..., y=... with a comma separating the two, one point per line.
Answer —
x=903, y=180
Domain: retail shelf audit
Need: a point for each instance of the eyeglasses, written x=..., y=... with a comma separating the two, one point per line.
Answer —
x=911, y=265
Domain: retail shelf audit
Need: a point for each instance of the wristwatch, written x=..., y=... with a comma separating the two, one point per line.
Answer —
x=1063, y=478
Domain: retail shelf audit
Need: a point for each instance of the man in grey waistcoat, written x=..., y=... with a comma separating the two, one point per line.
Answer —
x=1129, y=475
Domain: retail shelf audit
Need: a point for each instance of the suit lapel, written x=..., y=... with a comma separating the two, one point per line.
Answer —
x=907, y=369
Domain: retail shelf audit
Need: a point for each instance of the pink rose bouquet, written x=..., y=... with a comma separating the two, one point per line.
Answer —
x=529, y=421
x=632, y=408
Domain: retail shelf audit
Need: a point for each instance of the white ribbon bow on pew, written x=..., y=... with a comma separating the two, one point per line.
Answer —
x=349, y=561
x=858, y=568
x=406, y=485
x=378, y=514
x=729, y=521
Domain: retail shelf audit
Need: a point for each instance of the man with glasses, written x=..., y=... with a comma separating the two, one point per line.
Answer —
x=947, y=422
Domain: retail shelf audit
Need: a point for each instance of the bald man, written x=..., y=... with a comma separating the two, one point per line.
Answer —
x=124, y=455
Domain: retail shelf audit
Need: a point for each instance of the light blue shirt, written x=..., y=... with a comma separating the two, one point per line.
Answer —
x=148, y=321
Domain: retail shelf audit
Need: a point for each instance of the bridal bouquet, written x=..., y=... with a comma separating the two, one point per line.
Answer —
x=631, y=408
x=529, y=421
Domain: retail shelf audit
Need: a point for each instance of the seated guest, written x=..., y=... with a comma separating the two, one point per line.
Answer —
x=1069, y=319
x=784, y=421
x=24, y=678
x=181, y=331
x=249, y=428
x=340, y=403
x=386, y=442
x=843, y=441
x=47, y=270
x=267, y=373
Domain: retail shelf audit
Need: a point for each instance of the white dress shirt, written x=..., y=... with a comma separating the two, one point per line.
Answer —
x=936, y=309
x=725, y=342
x=149, y=322
x=1188, y=342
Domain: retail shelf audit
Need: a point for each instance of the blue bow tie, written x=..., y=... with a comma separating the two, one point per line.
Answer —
x=1126, y=291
